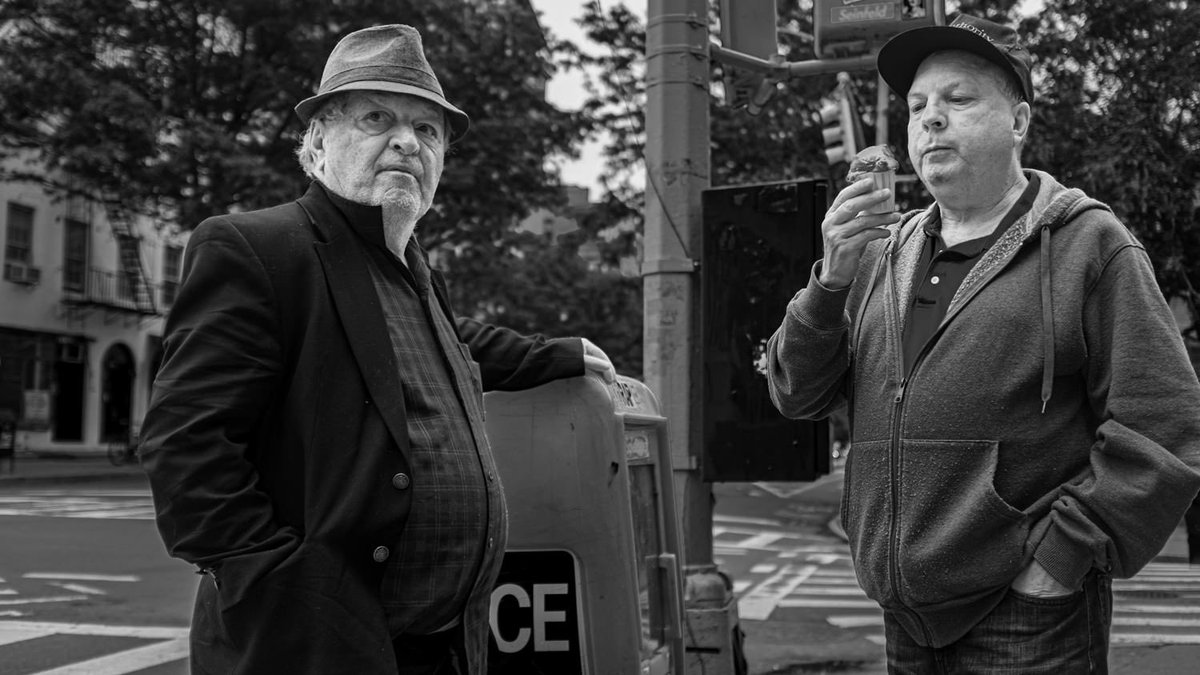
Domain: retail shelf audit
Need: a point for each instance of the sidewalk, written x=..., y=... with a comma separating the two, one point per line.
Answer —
x=33, y=469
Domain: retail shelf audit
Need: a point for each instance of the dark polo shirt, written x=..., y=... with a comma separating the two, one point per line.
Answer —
x=941, y=270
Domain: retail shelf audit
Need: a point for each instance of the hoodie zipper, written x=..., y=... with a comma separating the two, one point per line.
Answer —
x=894, y=452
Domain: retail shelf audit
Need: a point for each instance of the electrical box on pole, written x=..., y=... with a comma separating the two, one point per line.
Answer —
x=760, y=243
x=847, y=28
x=748, y=27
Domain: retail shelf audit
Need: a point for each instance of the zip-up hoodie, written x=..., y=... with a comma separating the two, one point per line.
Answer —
x=1054, y=415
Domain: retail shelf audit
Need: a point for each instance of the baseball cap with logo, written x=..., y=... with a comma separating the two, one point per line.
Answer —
x=899, y=59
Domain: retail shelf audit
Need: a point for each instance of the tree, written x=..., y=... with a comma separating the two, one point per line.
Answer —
x=1116, y=117
x=184, y=110
x=1115, y=113
x=181, y=111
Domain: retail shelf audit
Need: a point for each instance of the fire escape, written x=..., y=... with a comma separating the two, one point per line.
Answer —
x=125, y=293
x=133, y=282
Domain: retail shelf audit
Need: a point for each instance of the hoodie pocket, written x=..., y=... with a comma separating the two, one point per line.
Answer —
x=957, y=537
x=867, y=514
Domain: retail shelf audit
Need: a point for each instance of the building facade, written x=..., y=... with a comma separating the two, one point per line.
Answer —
x=82, y=300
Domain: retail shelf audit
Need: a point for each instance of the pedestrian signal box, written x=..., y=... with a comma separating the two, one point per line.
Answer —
x=760, y=243
x=591, y=581
x=847, y=28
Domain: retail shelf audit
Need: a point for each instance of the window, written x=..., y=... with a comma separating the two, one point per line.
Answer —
x=172, y=256
x=75, y=256
x=18, y=247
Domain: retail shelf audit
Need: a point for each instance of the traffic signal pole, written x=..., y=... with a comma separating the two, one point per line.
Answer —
x=677, y=172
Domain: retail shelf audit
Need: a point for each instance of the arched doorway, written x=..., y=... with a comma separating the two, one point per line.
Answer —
x=116, y=393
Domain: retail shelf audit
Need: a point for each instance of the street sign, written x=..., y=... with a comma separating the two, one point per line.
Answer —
x=535, y=615
x=846, y=28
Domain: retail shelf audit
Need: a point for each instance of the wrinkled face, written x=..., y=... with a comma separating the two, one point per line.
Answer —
x=385, y=145
x=964, y=133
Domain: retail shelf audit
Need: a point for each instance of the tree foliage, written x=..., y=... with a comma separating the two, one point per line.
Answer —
x=1115, y=113
x=183, y=110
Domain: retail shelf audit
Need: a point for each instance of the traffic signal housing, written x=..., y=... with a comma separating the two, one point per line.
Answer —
x=760, y=243
x=841, y=123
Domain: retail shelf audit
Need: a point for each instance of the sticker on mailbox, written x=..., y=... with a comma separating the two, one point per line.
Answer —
x=535, y=615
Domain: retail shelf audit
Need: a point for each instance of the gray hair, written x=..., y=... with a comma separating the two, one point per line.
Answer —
x=331, y=109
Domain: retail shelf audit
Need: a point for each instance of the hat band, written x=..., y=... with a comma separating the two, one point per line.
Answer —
x=384, y=73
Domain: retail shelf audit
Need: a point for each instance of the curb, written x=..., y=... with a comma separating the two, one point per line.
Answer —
x=24, y=481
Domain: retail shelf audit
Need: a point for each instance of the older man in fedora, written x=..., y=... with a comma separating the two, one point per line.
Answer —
x=315, y=441
x=1025, y=418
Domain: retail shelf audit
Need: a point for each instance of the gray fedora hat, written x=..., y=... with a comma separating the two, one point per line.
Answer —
x=387, y=58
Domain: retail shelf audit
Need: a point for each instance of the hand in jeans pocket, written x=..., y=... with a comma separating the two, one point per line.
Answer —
x=1035, y=581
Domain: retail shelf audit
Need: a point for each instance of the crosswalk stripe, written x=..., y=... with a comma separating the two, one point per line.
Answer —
x=127, y=661
x=96, y=629
x=82, y=576
x=823, y=603
x=1154, y=638
x=760, y=601
x=43, y=600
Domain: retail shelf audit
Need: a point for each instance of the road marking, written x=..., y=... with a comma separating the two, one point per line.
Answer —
x=1154, y=638
x=128, y=661
x=9, y=636
x=805, y=603
x=1119, y=608
x=1155, y=621
x=758, y=603
x=7, y=591
x=11, y=612
x=78, y=588
x=82, y=576
x=96, y=629
x=763, y=569
x=789, y=490
x=743, y=520
x=855, y=620
x=34, y=601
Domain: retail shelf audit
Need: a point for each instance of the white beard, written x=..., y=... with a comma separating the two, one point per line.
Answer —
x=401, y=211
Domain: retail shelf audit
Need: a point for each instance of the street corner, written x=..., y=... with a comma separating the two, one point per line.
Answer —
x=777, y=647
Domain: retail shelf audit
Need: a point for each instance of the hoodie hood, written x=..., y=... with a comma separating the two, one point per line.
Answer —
x=1054, y=208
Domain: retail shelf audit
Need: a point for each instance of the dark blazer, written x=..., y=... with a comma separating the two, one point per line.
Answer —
x=276, y=425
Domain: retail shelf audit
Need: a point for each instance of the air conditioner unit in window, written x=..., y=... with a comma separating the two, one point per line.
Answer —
x=20, y=273
x=70, y=352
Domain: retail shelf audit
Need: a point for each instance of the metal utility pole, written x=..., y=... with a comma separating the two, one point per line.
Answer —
x=677, y=171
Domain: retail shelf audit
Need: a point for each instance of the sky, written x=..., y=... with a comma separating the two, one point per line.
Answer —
x=566, y=92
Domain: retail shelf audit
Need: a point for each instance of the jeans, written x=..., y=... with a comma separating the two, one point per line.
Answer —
x=1024, y=635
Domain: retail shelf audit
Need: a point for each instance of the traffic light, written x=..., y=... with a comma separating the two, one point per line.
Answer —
x=749, y=27
x=841, y=124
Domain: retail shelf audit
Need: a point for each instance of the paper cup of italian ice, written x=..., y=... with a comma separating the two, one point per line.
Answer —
x=877, y=162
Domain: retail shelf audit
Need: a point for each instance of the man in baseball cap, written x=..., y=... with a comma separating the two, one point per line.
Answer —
x=315, y=442
x=1023, y=406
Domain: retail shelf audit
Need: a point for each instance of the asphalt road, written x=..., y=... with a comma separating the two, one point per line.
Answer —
x=803, y=612
x=86, y=588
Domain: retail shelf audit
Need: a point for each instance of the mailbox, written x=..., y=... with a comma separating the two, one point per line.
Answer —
x=591, y=582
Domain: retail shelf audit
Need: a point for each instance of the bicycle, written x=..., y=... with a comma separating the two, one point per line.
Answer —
x=123, y=451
